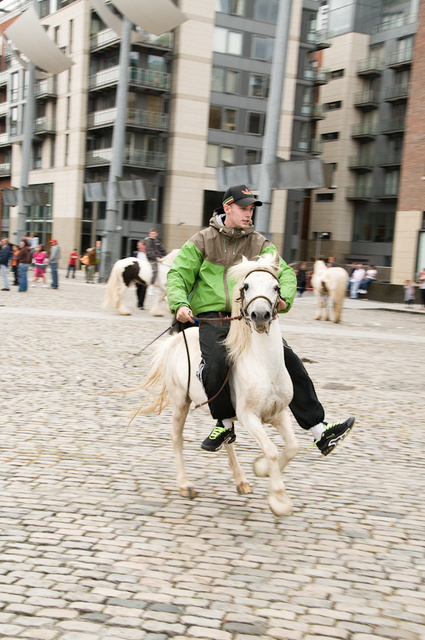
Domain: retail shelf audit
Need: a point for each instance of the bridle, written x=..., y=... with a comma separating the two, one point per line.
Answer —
x=242, y=300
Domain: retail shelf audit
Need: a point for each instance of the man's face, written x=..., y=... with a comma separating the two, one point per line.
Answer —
x=238, y=217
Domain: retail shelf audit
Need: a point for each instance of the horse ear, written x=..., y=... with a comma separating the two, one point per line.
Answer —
x=276, y=261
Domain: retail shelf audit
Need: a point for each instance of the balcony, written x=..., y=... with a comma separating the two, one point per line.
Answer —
x=320, y=76
x=46, y=88
x=391, y=159
x=143, y=78
x=135, y=118
x=386, y=192
x=319, y=40
x=4, y=139
x=361, y=163
x=4, y=108
x=400, y=59
x=132, y=157
x=370, y=68
x=4, y=75
x=317, y=112
x=364, y=130
x=393, y=22
x=5, y=169
x=108, y=37
x=366, y=100
x=397, y=93
x=316, y=147
x=44, y=126
x=359, y=193
x=393, y=126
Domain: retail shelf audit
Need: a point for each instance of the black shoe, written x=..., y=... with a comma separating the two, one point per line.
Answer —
x=333, y=433
x=219, y=436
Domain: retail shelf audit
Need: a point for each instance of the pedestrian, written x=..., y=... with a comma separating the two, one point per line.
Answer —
x=40, y=262
x=33, y=242
x=421, y=280
x=24, y=261
x=14, y=268
x=355, y=280
x=140, y=254
x=5, y=255
x=154, y=252
x=90, y=264
x=55, y=254
x=370, y=276
x=72, y=263
x=197, y=285
x=409, y=294
x=301, y=279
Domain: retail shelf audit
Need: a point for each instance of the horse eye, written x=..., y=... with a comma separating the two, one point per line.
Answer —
x=277, y=289
x=245, y=286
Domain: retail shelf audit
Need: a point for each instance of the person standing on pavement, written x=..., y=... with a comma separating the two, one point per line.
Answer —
x=421, y=280
x=72, y=263
x=39, y=260
x=198, y=285
x=140, y=254
x=14, y=268
x=55, y=254
x=154, y=252
x=301, y=279
x=91, y=264
x=24, y=261
x=5, y=255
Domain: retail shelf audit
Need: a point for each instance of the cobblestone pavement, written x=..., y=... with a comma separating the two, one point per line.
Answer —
x=96, y=541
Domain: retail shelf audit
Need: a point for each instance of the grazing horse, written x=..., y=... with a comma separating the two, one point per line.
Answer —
x=128, y=271
x=261, y=388
x=329, y=282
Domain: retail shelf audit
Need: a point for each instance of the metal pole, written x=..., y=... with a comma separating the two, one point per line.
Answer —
x=28, y=136
x=110, y=250
x=271, y=134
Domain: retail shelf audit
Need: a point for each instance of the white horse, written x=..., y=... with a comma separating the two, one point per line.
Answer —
x=260, y=385
x=128, y=271
x=329, y=282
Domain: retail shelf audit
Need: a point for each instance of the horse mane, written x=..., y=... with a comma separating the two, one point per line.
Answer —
x=170, y=257
x=239, y=337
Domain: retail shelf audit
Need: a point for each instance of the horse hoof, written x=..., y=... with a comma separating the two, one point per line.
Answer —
x=261, y=467
x=125, y=313
x=243, y=488
x=188, y=492
x=281, y=507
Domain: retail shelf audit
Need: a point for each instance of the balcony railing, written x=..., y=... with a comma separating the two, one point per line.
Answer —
x=361, y=162
x=400, y=58
x=395, y=125
x=364, y=130
x=366, y=99
x=319, y=39
x=4, y=139
x=394, y=23
x=132, y=157
x=396, y=92
x=359, y=193
x=389, y=159
x=5, y=169
x=316, y=147
x=140, y=77
x=4, y=108
x=321, y=76
x=108, y=36
x=370, y=67
x=45, y=88
x=44, y=125
x=135, y=117
x=386, y=191
x=4, y=75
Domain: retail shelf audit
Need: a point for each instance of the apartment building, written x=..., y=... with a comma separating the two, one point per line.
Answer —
x=197, y=98
x=365, y=102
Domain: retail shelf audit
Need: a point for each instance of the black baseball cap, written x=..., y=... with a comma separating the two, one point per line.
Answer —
x=241, y=195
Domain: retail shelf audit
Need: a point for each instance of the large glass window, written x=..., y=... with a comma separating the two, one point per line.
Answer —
x=229, y=119
x=215, y=118
x=259, y=86
x=217, y=154
x=225, y=80
x=226, y=41
x=233, y=7
x=262, y=48
x=374, y=226
x=266, y=10
x=255, y=123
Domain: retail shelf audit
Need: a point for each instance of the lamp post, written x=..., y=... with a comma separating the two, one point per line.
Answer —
x=321, y=235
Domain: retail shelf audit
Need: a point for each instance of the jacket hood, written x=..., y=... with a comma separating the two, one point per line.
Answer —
x=217, y=221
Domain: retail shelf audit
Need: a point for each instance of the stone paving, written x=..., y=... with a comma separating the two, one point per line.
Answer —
x=96, y=541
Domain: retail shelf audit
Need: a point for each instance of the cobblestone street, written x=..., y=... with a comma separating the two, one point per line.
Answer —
x=96, y=542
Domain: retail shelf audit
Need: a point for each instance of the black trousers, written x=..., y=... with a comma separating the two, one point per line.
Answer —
x=140, y=292
x=305, y=405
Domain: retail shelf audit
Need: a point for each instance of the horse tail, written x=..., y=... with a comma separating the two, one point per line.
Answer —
x=113, y=287
x=155, y=379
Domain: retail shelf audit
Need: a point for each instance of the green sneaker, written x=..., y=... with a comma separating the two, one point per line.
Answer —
x=333, y=433
x=219, y=436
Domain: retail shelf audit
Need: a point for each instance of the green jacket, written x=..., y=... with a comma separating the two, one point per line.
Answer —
x=199, y=275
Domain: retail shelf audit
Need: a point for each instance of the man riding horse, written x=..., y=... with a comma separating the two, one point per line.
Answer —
x=198, y=285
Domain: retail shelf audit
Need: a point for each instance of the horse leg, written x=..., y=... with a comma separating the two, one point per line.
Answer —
x=242, y=484
x=156, y=309
x=187, y=490
x=318, y=306
x=283, y=425
x=279, y=501
x=122, y=309
x=337, y=308
x=325, y=305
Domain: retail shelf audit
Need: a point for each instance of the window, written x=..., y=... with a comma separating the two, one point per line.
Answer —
x=155, y=63
x=71, y=36
x=262, y=48
x=333, y=106
x=229, y=119
x=328, y=137
x=225, y=80
x=259, y=86
x=14, y=121
x=266, y=10
x=14, y=84
x=374, y=226
x=304, y=139
x=391, y=182
x=252, y=156
x=256, y=123
x=36, y=155
x=215, y=118
x=306, y=102
x=338, y=73
x=43, y=8
x=226, y=41
x=233, y=7
x=66, y=159
x=216, y=155
x=324, y=197
x=52, y=151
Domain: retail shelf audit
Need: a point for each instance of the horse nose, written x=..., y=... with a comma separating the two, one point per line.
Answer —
x=261, y=318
